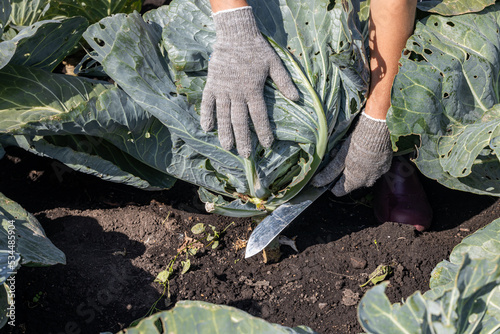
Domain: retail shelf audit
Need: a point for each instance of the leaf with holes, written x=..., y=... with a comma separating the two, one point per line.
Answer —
x=88, y=125
x=43, y=44
x=454, y=7
x=92, y=10
x=448, y=92
x=330, y=72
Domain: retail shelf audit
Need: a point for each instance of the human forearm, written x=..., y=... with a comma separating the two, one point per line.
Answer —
x=391, y=23
x=218, y=5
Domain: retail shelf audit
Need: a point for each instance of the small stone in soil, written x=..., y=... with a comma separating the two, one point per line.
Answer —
x=358, y=263
x=339, y=285
x=350, y=298
x=322, y=305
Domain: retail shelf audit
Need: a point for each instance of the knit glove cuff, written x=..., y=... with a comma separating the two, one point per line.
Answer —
x=236, y=25
x=372, y=135
x=361, y=159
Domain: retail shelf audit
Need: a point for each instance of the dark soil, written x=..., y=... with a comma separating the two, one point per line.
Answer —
x=117, y=239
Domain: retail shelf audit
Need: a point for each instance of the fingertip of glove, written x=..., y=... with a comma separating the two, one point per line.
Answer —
x=339, y=190
x=207, y=125
x=314, y=183
x=319, y=181
x=267, y=141
x=292, y=94
x=226, y=146
x=245, y=152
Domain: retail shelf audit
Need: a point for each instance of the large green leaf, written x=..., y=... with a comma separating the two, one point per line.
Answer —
x=30, y=95
x=22, y=241
x=131, y=57
x=447, y=91
x=454, y=7
x=201, y=317
x=93, y=10
x=29, y=239
x=484, y=243
x=5, y=10
x=459, y=150
x=27, y=12
x=44, y=44
x=464, y=295
x=90, y=126
x=94, y=156
x=9, y=262
x=4, y=304
x=320, y=48
x=460, y=308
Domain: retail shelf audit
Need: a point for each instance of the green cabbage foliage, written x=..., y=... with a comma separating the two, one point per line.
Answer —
x=23, y=13
x=77, y=121
x=201, y=317
x=26, y=12
x=92, y=10
x=90, y=126
x=22, y=242
x=448, y=92
x=146, y=132
x=484, y=243
x=58, y=38
x=464, y=295
x=31, y=243
x=27, y=40
x=454, y=7
x=161, y=65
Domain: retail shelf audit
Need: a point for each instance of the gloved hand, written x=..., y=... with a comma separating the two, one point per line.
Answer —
x=239, y=65
x=363, y=157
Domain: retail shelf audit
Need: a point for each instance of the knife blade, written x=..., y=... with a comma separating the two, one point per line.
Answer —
x=271, y=226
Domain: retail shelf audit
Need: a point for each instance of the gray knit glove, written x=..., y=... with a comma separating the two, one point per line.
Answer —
x=239, y=65
x=363, y=157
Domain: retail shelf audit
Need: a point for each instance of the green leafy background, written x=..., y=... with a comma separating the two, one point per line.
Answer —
x=201, y=317
x=447, y=92
x=464, y=295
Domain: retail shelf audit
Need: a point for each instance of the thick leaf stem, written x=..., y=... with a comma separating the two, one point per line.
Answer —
x=256, y=189
x=321, y=133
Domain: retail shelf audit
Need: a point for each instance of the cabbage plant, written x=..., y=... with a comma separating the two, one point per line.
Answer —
x=144, y=130
x=22, y=242
x=320, y=48
x=448, y=93
x=23, y=13
x=464, y=295
x=201, y=317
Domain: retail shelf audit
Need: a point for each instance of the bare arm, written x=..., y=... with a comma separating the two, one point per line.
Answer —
x=391, y=23
x=218, y=5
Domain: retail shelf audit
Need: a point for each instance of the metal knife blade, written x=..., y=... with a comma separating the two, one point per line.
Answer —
x=279, y=219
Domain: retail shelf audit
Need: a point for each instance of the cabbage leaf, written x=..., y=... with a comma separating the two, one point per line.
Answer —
x=201, y=317
x=448, y=92
x=464, y=295
x=165, y=73
x=453, y=7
